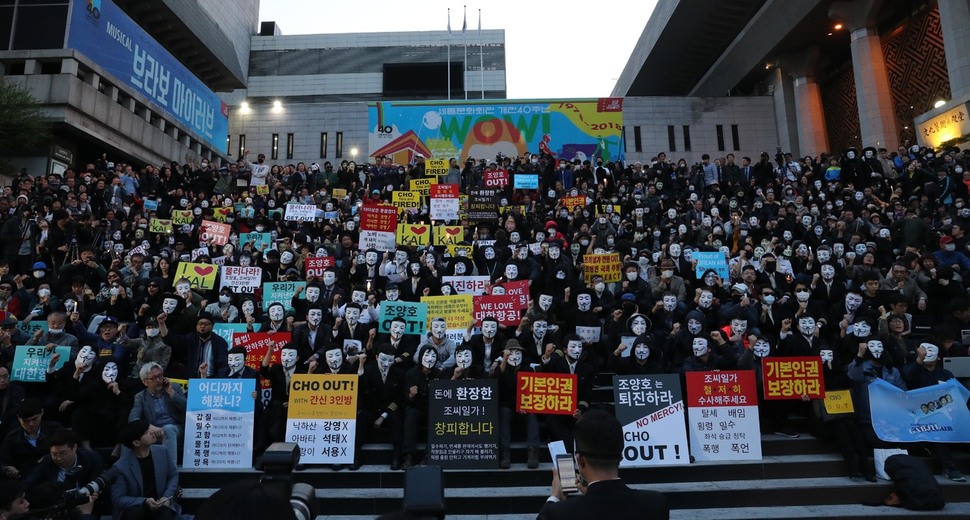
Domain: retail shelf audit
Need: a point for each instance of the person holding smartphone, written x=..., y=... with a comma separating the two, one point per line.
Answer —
x=146, y=479
x=162, y=404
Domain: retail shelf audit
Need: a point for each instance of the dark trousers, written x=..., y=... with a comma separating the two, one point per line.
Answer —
x=366, y=430
x=413, y=418
x=506, y=417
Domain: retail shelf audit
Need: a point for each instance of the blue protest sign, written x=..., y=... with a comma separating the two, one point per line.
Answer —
x=935, y=413
x=523, y=181
x=219, y=418
x=415, y=315
x=711, y=260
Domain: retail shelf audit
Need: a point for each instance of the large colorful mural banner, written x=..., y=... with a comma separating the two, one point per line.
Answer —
x=566, y=129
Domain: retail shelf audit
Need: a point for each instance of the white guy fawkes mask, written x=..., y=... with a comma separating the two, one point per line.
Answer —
x=286, y=257
x=861, y=329
x=352, y=314
x=932, y=352
x=671, y=214
x=489, y=329
x=827, y=355
x=838, y=248
x=699, y=346
x=109, y=374
x=515, y=358
x=675, y=250
x=276, y=313
x=236, y=362
x=853, y=301
x=806, y=220
x=515, y=237
x=670, y=302
x=584, y=302
x=539, y=328
x=312, y=294
x=761, y=348
x=739, y=327
x=370, y=258
x=554, y=253
x=392, y=294
x=828, y=272
x=806, y=325
x=248, y=308
x=244, y=261
x=511, y=271
x=329, y=278
x=802, y=250
x=459, y=269
x=489, y=253
x=314, y=316
x=786, y=235
x=638, y=324
x=288, y=358
x=438, y=329
x=429, y=359
x=463, y=358
x=875, y=346
x=335, y=358
x=545, y=302
x=183, y=289
x=706, y=299
x=169, y=305
x=688, y=253
x=397, y=330
x=85, y=357
x=694, y=326
x=358, y=297
x=400, y=257
x=641, y=351
x=758, y=251
x=385, y=361
x=574, y=349
x=823, y=255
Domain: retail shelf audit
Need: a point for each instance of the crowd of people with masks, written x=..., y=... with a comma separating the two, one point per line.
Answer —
x=859, y=258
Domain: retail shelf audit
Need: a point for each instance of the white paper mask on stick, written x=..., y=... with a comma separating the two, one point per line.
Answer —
x=85, y=357
x=932, y=352
x=109, y=374
x=876, y=348
x=169, y=305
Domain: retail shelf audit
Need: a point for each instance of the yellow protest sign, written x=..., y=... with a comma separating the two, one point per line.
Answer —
x=317, y=396
x=609, y=209
x=457, y=310
x=220, y=214
x=405, y=200
x=454, y=248
x=415, y=235
x=606, y=265
x=262, y=189
x=157, y=225
x=423, y=186
x=339, y=193
x=201, y=276
x=448, y=235
x=180, y=217
x=436, y=167
x=838, y=402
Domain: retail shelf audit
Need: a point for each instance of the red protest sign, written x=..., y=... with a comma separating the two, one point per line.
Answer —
x=518, y=289
x=729, y=388
x=546, y=393
x=504, y=308
x=256, y=344
x=792, y=377
x=314, y=267
x=378, y=217
x=496, y=178
x=445, y=191
x=214, y=232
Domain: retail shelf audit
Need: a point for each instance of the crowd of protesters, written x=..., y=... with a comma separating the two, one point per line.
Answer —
x=860, y=258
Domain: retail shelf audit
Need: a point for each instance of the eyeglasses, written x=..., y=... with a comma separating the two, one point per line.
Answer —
x=156, y=377
x=153, y=285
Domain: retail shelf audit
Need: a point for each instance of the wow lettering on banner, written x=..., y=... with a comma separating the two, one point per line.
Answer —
x=651, y=410
x=315, y=266
x=496, y=178
x=157, y=225
x=606, y=265
x=793, y=377
x=711, y=260
x=414, y=235
x=503, y=308
x=722, y=410
x=220, y=417
x=257, y=343
x=181, y=217
x=448, y=235
x=300, y=212
x=935, y=413
x=541, y=393
x=30, y=362
x=214, y=233
x=241, y=279
x=200, y=276
x=282, y=292
x=415, y=316
x=474, y=285
x=436, y=167
x=456, y=310
x=406, y=200
x=463, y=424
x=378, y=227
x=322, y=417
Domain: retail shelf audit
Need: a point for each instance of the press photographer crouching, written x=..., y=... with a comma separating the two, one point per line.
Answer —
x=66, y=483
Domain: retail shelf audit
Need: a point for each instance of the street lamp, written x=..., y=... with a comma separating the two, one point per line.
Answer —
x=353, y=152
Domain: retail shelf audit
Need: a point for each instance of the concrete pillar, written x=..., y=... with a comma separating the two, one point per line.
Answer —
x=69, y=66
x=877, y=120
x=955, y=24
x=113, y=92
x=812, y=134
x=31, y=67
x=786, y=119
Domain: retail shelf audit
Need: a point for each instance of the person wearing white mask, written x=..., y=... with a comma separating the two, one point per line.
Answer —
x=514, y=360
x=55, y=334
x=417, y=390
x=313, y=335
x=380, y=405
x=570, y=359
x=641, y=360
x=279, y=374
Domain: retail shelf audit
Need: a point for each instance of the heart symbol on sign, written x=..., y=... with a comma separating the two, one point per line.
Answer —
x=203, y=271
x=419, y=230
x=164, y=223
x=453, y=230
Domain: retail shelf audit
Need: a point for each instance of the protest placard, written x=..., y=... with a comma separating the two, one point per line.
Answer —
x=571, y=203
x=711, y=260
x=482, y=204
x=414, y=235
x=159, y=226
x=504, y=308
x=339, y=193
x=460, y=249
x=525, y=181
x=322, y=416
x=315, y=266
x=256, y=344
x=589, y=334
x=282, y=292
x=546, y=393
x=457, y=310
x=792, y=377
x=519, y=289
x=378, y=227
x=228, y=330
x=220, y=415
x=180, y=217
x=262, y=189
x=30, y=362
x=241, y=279
x=257, y=239
x=935, y=413
x=214, y=233
x=436, y=167
x=722, y=408
x=150, y=204
x=606, y=265
x=474, y=285
x=463, y=424
x=300, y=212
x=200, y=276
x=444, y=202
x=496, y=178
x=30, y=327
x=415, y=316
x=406, y=200
x=448, y=235
x=422, y=186
x=651, y=410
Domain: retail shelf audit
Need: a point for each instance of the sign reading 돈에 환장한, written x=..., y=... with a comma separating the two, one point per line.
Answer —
x=463, y=424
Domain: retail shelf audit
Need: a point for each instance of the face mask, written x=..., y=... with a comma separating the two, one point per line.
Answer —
x=827, y=355
x=932, y=352
x=554, y=253
x=599, y=287
x=248, y=308
x=236, y=362
x=438, y=329
x=151, y=332
x=806, y=326
x=876, y=348
x=463, y=358
x=329, y=278
x=515, y=358
x=352, y=316
x=276, y=313
x=244, y=261
x=699, y=346
x=109, y=374
x=489, y=329
x=641, y=352
x=739, y=327
x=861, y=330
x=950, y=247
x=511, y=271
x=39, y=274
x=631, y=276
x=224, y=298
x=761, y=348
x=288, y=358
x=43, y=292
x=802, y=296
x=335, y=358
x=169, y=305
x=429, y=359
x=694, y=327
x=706, y=300
x=584, y=302
x=574, y=349
x=852, y=302
x=85, y=357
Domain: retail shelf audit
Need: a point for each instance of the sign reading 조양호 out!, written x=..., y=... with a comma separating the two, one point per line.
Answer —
x=722, y=415
x=606, y=265
x=30, y=362
x=219, y=423
x=315, y=266
x=321, y=417
x=651, y=410
x=214, y=233
x=793, y=377
x=463, y=424
x=415, y=316
x=546, y=393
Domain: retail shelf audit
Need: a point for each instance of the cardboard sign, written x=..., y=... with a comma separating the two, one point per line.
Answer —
x=214, y=233
x=180, y=217
x=838, y=402
x=711, y=260
x=258, y=239
x=300, y=212
x=606, y=265
x=221, y=214
x=448, y=235
x=415, y=316
x=571, y=203
x=262, y=189
x=220, y=417
x=546, y=393
x=30, y=362
x=322, y=417
x=282, y=292
x=651, y=410
x=150, y=205
x=793, y=377
x=463, y=424
x=482, y=204
x=159, y=226
x=414, y=235
x=525, y=181
x=518, y=289
x=241, y=279
x=200, y=276
x=406, y=200
x=315, y=266
x=503, y=308
x=256, y=344
x=474, y=285
x=422, y=186
x=457, y=310
x=722, y=410
x=436, y=167
x=496, y=178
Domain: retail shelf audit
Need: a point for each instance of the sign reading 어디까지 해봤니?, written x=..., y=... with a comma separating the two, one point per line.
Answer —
x=463, y=424
x=322, y=417
x=651, y=410
x=219, y=423
x=722, y=410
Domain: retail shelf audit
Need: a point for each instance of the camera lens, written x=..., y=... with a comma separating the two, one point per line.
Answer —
x=303, y=501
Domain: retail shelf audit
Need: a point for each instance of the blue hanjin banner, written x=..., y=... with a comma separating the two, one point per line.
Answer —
x=935, y=413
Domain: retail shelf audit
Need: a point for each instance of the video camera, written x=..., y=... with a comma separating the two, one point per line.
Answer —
x=57, y=503
x=279, y=460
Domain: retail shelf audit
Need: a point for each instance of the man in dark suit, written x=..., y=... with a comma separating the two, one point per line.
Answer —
x=204, y=354
x=279, y=376
x=311, y=336
x=381, y=393
x=599, y=449
x=140, y=492
x=66, y=463
x=24, y=446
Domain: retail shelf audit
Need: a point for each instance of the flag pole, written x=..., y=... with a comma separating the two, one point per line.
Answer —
x=464, y=41
x=481, y=53
x=448, y=72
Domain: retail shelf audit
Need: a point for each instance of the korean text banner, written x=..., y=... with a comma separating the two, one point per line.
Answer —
x=935, y=413
x=568, y=129
x=107, y=36
x=463, y=424
x=546, y=393
x=219, y=423
x=793, y=377
x=651, y=410
x=722, y=411
x=322, y=417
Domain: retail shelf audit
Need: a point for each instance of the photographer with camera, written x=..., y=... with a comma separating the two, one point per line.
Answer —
x=66, y=463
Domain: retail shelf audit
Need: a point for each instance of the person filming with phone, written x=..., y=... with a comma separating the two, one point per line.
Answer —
x=597, y=487
x=162, y=404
